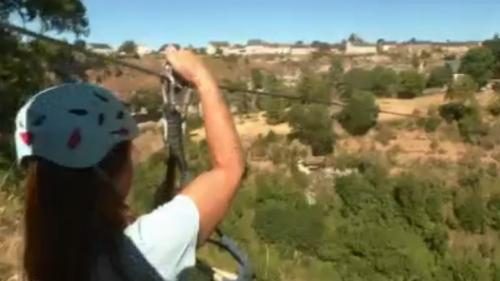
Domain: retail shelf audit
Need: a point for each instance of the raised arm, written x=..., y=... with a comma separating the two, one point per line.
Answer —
x=213, y=190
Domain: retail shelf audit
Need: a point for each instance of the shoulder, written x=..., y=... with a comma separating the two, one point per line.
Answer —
x=167, y=236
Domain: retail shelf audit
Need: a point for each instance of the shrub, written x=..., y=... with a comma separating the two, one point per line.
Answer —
x=494, y=106
x=494, y=212
x=360, y=113
x=357, y=78
x=384, y=134
x=472, y=128
x=461, y=89
x=479, y=64
x=486, y=142
x=492, y=169
x=430, y=124
x=314, y=87
x=454, y=111
x=279, y=207
x=470, y=174
x=471, y=213
x=277, y=154
x=280, y=224
x=436, y=239
x=385, y=82
x=464, y=268
x=494, y=132
x=357, y=193
x=150, y=100
x=312, y=125
x=496, y=87
x=420, y=201
x=412, y=84
x=439, y=76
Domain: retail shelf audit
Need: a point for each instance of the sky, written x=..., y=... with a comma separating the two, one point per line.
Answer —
x=156, y=22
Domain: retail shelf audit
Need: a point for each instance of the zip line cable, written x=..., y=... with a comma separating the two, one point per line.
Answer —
x=145, y=70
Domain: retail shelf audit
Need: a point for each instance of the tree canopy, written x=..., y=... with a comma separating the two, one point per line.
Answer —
x=360, y=113
x=257, y=78
x=412, y=84
x=27, y=67
x=312, y=125
x=494, y=45
x=129, y=47
x=60, y=16
x=462, y=89
x=439, y=76
x=479, y=63
x=385, y=82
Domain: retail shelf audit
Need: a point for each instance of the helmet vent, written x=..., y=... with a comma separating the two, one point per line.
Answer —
x=100, y=120
x=39, y=120
x=101, y=97
x=78, y=111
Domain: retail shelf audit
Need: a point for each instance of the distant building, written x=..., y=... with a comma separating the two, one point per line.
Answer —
x=216, y=47
x=100, y=48
x=417, y=47
x=336, y=49
x=262, y=48
x=303, y=50
x=143, y=50
x=386, y=46
x=357, y=46
x=458, y=47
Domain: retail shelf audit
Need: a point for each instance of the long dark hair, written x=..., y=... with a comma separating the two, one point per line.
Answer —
x=72, y=215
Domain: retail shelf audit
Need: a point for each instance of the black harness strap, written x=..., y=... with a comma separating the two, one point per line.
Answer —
x=174, y=91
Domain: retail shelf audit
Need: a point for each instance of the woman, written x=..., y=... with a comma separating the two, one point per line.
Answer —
x=75, y=140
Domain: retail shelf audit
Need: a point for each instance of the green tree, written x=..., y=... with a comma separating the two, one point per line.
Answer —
x=479, y=64
x=358, y=78
x=27, y=67
x=471, y=126
x=129, y=47
x=462, y=89
x=412, y=84
x=454, y=111
x=494, y=106
x=494, y=212
x=60, y=16
x=80, y=43
x=385, y=82
x=280, y=205
x=312, y=125
x=314, y=87
x=420, y=200
x=257, y=78
x=360, y=113
x=335, y=71
x=415, y=61
x=471, y=213
x=242, y=100
x=494, y=45
x=274, y=107
x=439, y=76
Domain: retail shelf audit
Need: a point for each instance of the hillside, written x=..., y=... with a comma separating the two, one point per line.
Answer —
x=334, y=193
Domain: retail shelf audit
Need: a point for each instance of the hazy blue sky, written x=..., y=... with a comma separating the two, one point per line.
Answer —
x=154, y=22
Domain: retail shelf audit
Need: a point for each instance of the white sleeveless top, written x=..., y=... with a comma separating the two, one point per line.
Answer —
x=166, y=238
